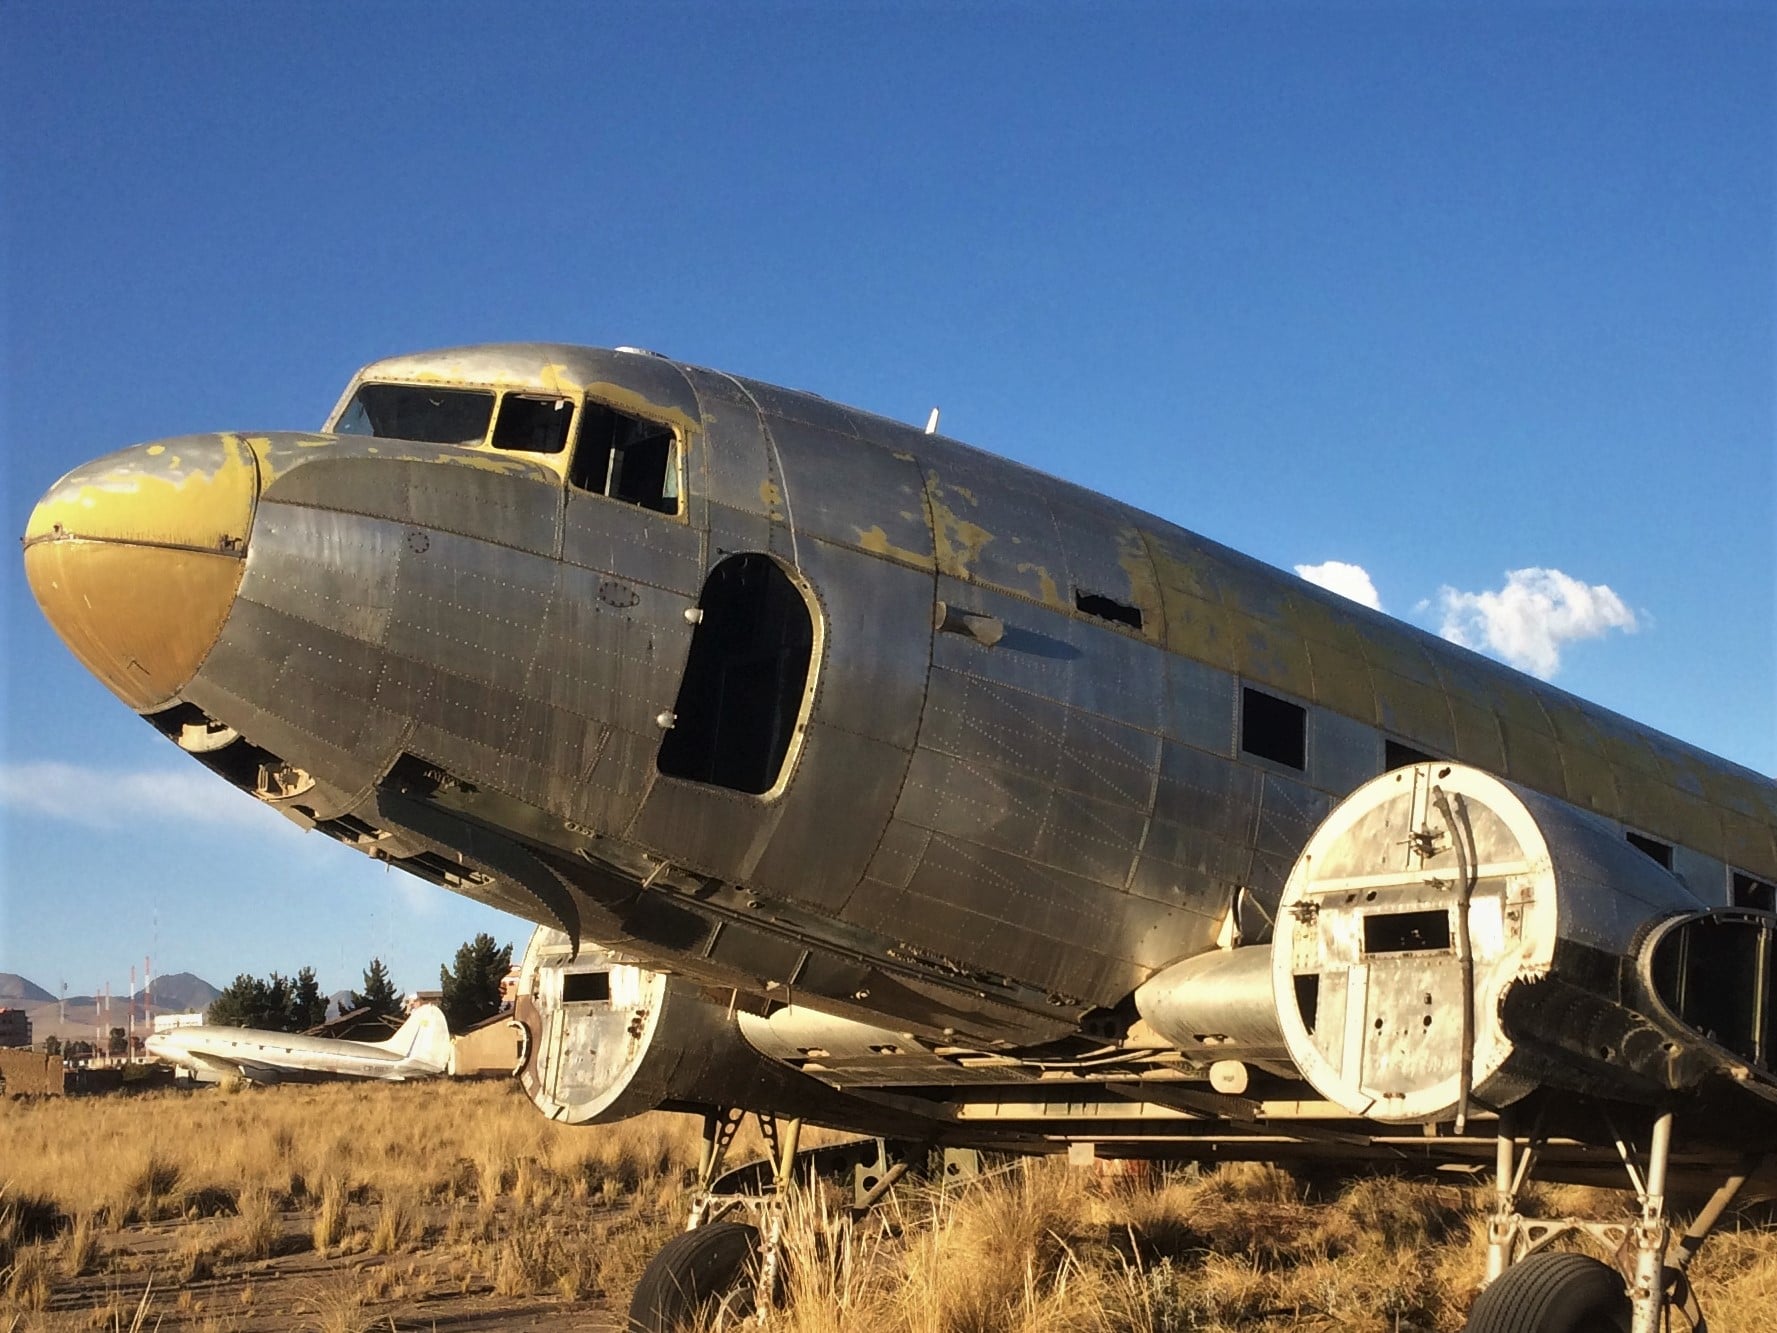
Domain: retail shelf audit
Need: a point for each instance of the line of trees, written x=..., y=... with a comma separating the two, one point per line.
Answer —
x=278, y=1003
x=470, y=986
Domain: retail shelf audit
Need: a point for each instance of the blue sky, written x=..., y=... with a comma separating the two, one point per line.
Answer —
x=1437, y=291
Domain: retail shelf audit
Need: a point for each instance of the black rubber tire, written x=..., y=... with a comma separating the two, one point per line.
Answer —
x=1553, y=1293
x=689, y=1277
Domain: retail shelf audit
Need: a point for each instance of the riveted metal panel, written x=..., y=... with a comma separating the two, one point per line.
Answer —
x=1288, y=812
x=1417, y=711
x=1343, y=754
x=1203, y=890
x=325, y=567
x=472, y=606
x=897, y=856
x=982, y=721
x=1532, y=758
x=1035, y=923
x=504, y=501
x=610, y=649
x=810, y=409
x=1202, y=855
x=737, y=465
x=812, y=857
x=1267, y=652
x=1589, y=778
x=1198, y=790
x=1477, y=736
x=1341, y=681
x=1058, y=657
x=1104, y=554
x=877, y=619
x=606, y=797
x=705, y=829
x=855, y=494
x=993, y=527
x=1000, y=808
x=613, y=537
x=1201, y=705
x=1704, y=875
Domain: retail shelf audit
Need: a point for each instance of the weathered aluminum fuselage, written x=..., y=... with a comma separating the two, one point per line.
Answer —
x=1026, y=769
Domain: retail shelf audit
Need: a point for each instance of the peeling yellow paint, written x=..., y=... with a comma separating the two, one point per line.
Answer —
x=156, y=450
x=770, y=496
x=1050, y=594
x=956, y=541
x=142, y=496
x=876, y=541
x=630, y=401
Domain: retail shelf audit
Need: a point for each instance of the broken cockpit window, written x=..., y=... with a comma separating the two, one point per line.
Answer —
x=627, y=458
x=533, y=423
x=424, y=413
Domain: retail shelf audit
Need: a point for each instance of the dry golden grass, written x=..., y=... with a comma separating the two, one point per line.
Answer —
x=463, y=1191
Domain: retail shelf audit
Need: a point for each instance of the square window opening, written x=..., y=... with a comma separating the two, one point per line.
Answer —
x=1754, y=893
x=1273, y=728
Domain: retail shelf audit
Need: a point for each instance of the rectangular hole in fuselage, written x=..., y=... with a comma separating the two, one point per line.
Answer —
x=1107, y=608
x=1754, y=893
x=1273, y=728
x=1406, y=932
x=1396, y=755
x=579, y=987
x=1657, y=850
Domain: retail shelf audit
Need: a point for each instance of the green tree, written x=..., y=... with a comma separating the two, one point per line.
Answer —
x=119, y=1043
x=52, y=1045
x=280, y=1004
x=472, y=987
x=378, y=994
x=308, y=1005
x=240, y=1005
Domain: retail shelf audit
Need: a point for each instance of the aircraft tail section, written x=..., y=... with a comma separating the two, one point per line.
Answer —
x=424, y=1038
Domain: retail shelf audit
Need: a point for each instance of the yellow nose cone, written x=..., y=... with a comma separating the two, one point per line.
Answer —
x=135, y=559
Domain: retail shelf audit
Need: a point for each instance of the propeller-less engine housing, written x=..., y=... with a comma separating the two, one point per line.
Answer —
x=606, y=1039
x=1449, y=941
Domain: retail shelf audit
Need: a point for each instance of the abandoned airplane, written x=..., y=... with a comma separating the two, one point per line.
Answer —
x=855, y=776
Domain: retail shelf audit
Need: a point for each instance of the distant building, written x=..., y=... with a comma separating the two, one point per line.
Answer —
x=488, y=1050
x=15, y=1028
x=415, y=998
x=509, y=988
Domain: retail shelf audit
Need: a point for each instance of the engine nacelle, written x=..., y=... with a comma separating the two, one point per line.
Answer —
x=1447, y=939
x=606, y=1039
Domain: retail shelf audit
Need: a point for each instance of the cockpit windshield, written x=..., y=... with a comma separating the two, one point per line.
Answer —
x=425, y=413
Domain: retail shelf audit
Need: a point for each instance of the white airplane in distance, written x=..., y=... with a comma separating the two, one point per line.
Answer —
x=419, y=1049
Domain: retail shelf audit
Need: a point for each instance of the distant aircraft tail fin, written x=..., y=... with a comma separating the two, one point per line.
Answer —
x=425, y=1036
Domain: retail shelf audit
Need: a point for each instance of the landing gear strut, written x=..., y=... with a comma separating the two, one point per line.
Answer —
x=721, y=1269
x=1531, y=1289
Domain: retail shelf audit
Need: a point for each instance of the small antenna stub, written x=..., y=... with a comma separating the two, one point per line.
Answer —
x=932, y=423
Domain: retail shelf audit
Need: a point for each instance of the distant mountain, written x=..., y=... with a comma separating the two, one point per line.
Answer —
x=14, y=989
x=183, y=992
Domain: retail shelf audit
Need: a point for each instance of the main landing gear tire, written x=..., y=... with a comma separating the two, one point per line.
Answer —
x=694, y=1276
x=1553, y=1293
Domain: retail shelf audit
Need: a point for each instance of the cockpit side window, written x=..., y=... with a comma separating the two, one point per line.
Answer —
x=627, y=458
x=423, y=413
x=533, y=423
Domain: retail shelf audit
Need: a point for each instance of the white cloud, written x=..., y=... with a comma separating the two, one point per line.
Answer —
x=1528, y=620
x=1347, y=580
x=112, y=799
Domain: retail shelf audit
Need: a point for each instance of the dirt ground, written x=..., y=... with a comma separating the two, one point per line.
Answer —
x=146, y=1281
